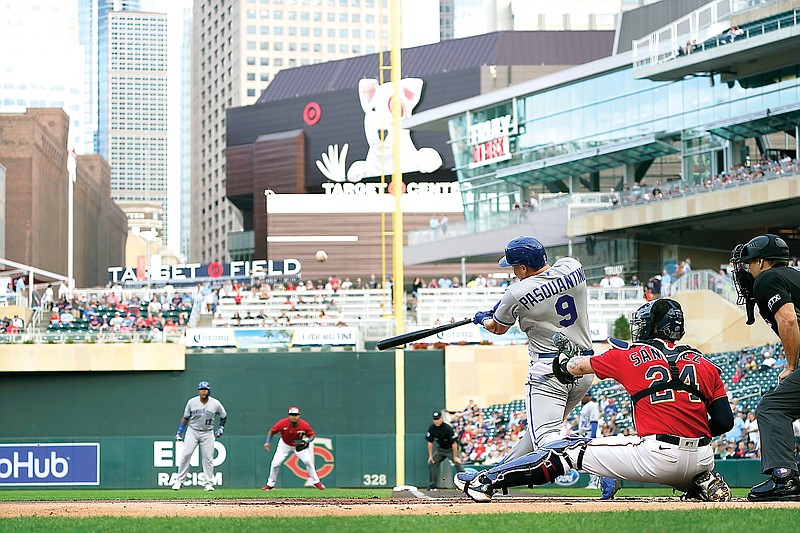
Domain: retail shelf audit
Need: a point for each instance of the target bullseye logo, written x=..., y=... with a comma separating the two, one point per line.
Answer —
x=402, y=188
x=312, y=113
x=215, y=269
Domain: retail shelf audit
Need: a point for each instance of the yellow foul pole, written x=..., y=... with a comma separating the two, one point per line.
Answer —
x=397, y=245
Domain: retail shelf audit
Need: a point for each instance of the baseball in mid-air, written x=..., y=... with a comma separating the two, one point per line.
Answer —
x=321, y=256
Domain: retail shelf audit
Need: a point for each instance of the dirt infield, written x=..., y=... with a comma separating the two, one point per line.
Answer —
x=292, y=507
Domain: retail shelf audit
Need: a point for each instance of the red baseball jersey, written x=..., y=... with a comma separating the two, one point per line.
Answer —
x=290, y=433
x=672, y=412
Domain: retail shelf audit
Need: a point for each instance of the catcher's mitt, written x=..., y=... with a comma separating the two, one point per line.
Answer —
x=300, y=445
x=567, y=349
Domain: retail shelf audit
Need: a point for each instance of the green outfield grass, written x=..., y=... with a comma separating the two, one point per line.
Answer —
x=718, y=520
x=693, y=521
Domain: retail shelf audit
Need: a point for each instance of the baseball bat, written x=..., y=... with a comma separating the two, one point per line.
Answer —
x=393, y=342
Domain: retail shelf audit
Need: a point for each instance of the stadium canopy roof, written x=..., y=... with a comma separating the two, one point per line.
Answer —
x=562, y=167
x=785, y=118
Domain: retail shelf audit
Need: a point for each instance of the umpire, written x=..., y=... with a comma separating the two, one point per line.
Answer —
x=446, y=447
x=774, y=287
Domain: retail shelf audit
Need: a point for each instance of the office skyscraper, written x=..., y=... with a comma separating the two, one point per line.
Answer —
x=237, y=47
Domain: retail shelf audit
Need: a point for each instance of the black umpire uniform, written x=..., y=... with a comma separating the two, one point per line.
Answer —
x=442, y=444
x=776, y=292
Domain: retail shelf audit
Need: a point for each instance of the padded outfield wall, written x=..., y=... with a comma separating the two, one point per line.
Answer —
x=129, y=419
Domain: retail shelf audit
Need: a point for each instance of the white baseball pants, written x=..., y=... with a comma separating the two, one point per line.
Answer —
x=548, y=402
x=645, y=459
x=193, y=438
x=283, y=451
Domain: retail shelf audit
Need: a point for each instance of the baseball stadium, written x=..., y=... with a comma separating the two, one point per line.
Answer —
x=449, y=336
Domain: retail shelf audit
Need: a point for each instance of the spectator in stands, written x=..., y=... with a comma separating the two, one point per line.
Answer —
x=634, y=281
x=444, y=282
x=736, y=432
x=611, y=410
x=781, y=362
x=768, y=363
x=741, y=450
x=616, y=281
x=346, y=284
x=751, y=429
x=666, y=282
x=66, y=316
x=63, y=291
x=751, y=452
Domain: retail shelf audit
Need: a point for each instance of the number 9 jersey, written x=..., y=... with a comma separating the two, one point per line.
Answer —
x=551, y=301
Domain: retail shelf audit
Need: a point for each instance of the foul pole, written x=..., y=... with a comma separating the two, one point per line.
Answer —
x=398, y=289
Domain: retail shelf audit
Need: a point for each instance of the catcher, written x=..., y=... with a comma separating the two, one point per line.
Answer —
x=679, y=404
x=296, y=436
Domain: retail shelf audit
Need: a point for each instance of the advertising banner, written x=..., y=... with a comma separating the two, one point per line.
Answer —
x=271, y=337
x=474, y=334
x=50, y=464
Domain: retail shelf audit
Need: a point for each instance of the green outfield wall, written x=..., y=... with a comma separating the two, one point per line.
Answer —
x=347, y=397
x=112, y=429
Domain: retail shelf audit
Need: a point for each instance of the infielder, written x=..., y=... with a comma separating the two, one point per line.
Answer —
x=679, y=404
x=546, y=299
x=296, y=436
x=199, y=415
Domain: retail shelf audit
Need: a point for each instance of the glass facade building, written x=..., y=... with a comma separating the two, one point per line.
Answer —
x=606, y=122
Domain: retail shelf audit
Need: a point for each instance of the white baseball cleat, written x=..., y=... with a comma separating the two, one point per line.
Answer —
x=208, y=488
x=177, y=485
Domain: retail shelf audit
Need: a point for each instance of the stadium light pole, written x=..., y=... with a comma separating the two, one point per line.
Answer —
x=72, y=171
x=267, y=194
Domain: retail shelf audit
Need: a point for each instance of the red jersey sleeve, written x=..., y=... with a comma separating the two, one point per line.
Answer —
x=308, y=430
x=609, y=364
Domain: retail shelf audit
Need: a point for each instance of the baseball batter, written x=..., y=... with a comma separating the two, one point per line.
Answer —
x=198, y=423
x=546, y=299
x=296, y=436
x=679, y=404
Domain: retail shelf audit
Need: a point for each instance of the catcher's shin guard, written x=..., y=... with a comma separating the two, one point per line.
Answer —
x=537, y=468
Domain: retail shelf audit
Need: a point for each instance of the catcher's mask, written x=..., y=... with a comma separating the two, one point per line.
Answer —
x=524, y=251
x=767, y=246
x=659, y=319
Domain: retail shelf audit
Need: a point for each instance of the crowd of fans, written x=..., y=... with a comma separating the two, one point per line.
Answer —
x=486, y=435
x=109, y=312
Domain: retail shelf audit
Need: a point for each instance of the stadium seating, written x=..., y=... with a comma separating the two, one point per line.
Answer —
x=745, y=394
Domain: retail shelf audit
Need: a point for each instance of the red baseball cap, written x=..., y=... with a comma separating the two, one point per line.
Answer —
x=294, y=410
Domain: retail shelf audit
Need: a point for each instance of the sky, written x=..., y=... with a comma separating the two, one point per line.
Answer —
x=420, y=22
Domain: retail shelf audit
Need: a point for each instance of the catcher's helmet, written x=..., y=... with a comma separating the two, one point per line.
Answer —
x=766, y=246
x=659, y=319
x=524, y=251
x=203, y=385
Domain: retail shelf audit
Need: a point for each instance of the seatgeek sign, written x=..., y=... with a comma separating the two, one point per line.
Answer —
x=49, y=464
x=288, y=268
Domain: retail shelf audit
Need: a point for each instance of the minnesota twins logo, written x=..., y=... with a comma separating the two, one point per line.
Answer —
x=323, y=448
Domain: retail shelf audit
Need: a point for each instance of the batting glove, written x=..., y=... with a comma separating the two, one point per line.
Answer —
x=218, y=432
x=178, y=437
x=480, y=316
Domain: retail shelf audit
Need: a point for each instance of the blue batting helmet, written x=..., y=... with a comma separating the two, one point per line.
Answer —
x=203, y=385
x=524, y=251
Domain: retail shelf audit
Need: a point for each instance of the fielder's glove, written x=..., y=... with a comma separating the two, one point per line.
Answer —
x=218, y=432
x=300, y=445
x=178, y=437
x=567, y=349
